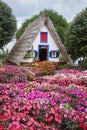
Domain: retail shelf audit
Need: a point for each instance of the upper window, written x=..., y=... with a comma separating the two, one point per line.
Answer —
x=43, y=37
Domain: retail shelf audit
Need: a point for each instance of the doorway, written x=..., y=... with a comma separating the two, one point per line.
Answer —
x=43, y=53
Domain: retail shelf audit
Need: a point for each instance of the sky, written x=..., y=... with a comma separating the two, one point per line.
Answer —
x=25, y=9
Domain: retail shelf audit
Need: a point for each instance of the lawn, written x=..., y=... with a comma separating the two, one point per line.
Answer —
x=57, y=102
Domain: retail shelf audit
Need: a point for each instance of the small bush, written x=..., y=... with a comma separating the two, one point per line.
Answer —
x=69, y=125
x=83, y=64
x=61, y=58
x=45, y=68
x=28, y=64
x=63, y=66
x=3, y=53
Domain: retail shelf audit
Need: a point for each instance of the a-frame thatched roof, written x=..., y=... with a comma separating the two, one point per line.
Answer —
x=22, y=45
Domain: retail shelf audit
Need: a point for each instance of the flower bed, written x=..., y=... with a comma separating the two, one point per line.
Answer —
x=45, y=68
x=57, y=103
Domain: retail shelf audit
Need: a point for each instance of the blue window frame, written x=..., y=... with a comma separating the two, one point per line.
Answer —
x=54, y=54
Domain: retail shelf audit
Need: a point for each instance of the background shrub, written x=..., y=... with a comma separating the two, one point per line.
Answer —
x=83, y=64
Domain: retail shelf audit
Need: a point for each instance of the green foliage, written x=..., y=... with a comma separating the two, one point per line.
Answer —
x=63, y=66
x=59, y=22
x=28, y=55
x=84, y=64
x=70, y=125
x=3, y=54
x=67, y=106
x=61, y=58
x=76, y=42
x=7, y=24
x=31, y=64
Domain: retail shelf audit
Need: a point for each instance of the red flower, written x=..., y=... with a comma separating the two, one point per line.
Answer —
x=1, y=127
x=81, y=124
x=2, y=118
x=85, y=127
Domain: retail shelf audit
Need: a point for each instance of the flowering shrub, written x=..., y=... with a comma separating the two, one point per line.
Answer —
x=44, y=103
x=12, y=74
x=28, y=72
x=45, y=68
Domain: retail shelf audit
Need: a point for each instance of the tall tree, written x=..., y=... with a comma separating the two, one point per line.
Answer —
x=76, y=42
x=7, y=24
x=59, y=22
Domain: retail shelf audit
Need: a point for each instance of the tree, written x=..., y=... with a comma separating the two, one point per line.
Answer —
x=7, y=24
x=76, y=42
x=59, y=22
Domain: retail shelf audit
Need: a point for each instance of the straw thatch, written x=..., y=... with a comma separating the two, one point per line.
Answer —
x=22, y=45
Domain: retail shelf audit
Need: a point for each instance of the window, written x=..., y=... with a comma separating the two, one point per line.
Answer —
x=43, y=37
x=31, y=54
x=54, y=54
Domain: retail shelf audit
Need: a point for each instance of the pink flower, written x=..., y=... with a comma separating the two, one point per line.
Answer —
x=56, y=117
x=2, y=118
x=52, y=111
x=15, y=105
x=86, y=110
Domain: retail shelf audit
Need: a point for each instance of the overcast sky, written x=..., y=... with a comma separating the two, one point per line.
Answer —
x=24, y=9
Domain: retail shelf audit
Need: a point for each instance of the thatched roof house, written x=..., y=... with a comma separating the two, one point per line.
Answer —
x=22, y=45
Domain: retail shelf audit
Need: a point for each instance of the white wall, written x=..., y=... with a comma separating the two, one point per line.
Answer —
x=50, y=41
